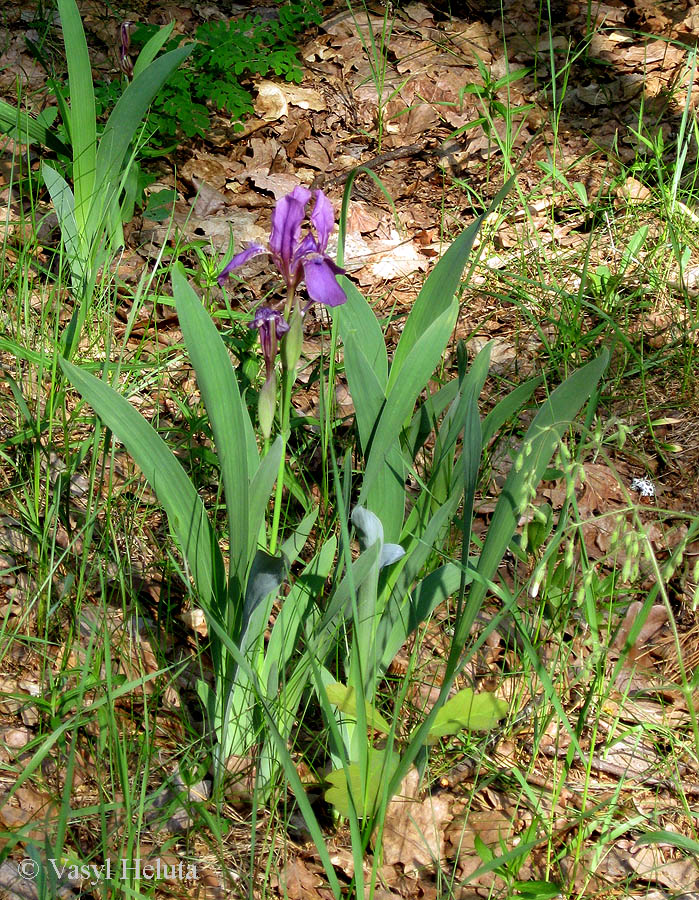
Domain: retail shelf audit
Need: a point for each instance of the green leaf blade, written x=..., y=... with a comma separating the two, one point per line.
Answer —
x=233, y=435
x=83, y=130
x=168, y=479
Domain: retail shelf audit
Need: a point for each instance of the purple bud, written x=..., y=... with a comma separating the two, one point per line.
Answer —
x=272, y=325
x=124, y=59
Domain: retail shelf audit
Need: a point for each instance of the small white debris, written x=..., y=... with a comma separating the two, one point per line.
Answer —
x=644, y=486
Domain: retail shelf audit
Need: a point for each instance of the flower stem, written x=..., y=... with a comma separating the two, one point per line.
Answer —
x=287, y=383
x=329, y=404
x=288, y=378
x=276, y=515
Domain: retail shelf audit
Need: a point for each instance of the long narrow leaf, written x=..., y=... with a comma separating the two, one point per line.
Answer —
x=229, y=419
x=261, y=490
x=366, y=389
x=166, y=476
x=82, y=111
x=358, y=321
x=27, y=130
x=64, y=207
x=399, y=405
x=507, y=407
x=435, y=297
x=122, y=125
x=439, y=289
x=151, y=49
x=287, y=762
x=129, y=111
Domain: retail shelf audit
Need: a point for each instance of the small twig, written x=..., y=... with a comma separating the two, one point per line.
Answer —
x=609, y=768
x=374, y=163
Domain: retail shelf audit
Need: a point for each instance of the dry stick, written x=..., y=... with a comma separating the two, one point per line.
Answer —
x=609, y=768
x=374, y=163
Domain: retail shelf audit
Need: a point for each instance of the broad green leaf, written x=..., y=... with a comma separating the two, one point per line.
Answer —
x=295, y=609
x=538, y=890
x=171, y=485
x=365, y=787
x=151, y=49
x=435, y=298
x=365, y=388
x=467, y=711
x=399, y=405
x=266, y=575
x=122, y=125
x=64, y=206
x=83, y=116
x=344, y=697
x=27, y=130
x=261, y=490
x=358, y=323
x=230, y=422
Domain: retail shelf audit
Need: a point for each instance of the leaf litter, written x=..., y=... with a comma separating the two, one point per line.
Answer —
x=224, y=188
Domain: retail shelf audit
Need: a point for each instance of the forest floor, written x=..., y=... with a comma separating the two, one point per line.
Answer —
x=597, y=245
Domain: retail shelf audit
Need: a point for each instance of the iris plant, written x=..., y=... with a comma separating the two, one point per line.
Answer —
x=298, y=259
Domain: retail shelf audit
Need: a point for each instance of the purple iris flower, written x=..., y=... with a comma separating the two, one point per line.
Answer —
x=300, y=259
x=271, y=325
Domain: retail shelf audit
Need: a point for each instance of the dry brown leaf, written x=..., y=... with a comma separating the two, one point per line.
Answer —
x=633, y=191
x=213, y=169
x=279, y=185
x=655, y=620
x=414, y=830
x=15, y=738
x=651, y=862
x=208, y=200
x=297, y=881
x=270, y=103
x=303, y=97
x=395, y=258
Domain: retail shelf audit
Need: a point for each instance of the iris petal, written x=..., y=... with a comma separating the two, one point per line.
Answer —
x=322, y=219
x=287, y=217
x=307, y=247
x=239, y=260
x=322, y=286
